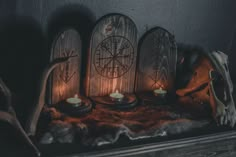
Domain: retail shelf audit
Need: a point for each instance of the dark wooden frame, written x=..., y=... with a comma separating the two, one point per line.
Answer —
x=185, y=145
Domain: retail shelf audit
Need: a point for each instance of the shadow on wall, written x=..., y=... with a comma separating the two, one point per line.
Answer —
x=25, y=51
x=22, y=59
x=72, y=16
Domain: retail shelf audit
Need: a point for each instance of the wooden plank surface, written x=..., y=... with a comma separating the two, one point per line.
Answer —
x=112, y=56
x=66, y=78
x=157, y=61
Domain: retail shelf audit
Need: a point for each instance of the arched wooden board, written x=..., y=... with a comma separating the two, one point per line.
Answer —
x=157, y=61
x=66, y=78
x=112, y=56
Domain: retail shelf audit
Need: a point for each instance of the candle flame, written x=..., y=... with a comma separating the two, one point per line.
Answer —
x=117, y=91
x=76, y=96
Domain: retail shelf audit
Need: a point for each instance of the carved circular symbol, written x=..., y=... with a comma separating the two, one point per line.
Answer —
x=113, y=57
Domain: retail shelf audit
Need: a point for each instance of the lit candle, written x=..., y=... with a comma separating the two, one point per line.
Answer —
x=116, y=96
x=74, y=101
x=160, y=92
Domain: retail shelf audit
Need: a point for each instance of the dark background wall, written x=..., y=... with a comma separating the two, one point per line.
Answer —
x=7, y=10
x=208, y=23
x=31, y=24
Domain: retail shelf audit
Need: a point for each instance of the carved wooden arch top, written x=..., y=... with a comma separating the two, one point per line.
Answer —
x=66, y=78
x=157, y=61
x=112, y=56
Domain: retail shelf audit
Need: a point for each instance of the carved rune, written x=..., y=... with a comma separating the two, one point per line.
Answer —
x=65, y=74
x=113, y=57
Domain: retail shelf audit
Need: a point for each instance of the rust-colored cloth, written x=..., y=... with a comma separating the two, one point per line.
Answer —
x=198, y=94
x=105, y=126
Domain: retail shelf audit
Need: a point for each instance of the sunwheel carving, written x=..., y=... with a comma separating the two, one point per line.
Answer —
x=113, y=57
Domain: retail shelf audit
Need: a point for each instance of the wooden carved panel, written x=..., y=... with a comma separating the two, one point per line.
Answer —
x=66, y=78
x=112, y=58
x=157, y=61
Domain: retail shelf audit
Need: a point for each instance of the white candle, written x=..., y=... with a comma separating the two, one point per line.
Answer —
x=116, y=96
x=74, y=101
x=159, y=92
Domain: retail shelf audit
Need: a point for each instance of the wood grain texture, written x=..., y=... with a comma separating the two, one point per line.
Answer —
x=112, y=56
x=157, y=61
x=66, y=78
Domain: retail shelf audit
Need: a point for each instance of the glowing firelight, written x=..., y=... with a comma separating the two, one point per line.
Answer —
x=60, y=90
x=76, y=96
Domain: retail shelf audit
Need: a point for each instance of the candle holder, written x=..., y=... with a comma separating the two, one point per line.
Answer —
x=160, y=92
x=75, y=101
x=114, y=101
x=155, y=97
x=75, y=106
x=116, y=96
